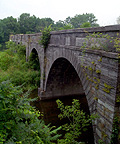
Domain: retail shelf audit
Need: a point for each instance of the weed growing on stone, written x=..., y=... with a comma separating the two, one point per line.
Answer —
x=45, y=38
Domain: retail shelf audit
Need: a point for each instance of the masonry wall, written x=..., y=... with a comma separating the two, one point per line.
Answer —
x=98, y=73
x=100, y=68
x=76, y=37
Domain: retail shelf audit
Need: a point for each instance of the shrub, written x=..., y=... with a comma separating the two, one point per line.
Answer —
x=5, y=60
x=78, y=121
x=19, y=122
x=45, y=36
x=13, y=66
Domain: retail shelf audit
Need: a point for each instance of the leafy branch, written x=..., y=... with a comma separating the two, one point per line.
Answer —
x=78, y=121
x=45, y=38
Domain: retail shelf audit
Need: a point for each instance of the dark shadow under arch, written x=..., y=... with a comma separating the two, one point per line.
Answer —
x=34, y=65
x=34, y=60
x=63, y=79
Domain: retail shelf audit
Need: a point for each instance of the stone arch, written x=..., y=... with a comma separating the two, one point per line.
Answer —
x=63, y=79
x=38, y=61
x=40, y=52
x=62, y=53
x=75, y=61
x=37, y=52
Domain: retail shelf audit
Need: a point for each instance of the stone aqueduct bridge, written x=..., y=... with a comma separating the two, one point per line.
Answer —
x=66, y=70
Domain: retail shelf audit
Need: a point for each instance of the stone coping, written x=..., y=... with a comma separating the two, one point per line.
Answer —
x=109, y=28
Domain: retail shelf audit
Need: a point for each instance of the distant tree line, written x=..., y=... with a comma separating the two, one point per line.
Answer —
x=27, y=24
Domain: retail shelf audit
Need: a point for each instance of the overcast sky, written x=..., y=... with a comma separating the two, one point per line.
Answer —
x=106, y=11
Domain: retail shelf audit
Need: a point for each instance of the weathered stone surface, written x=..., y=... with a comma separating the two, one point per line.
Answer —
x=67, y=42
x=80, y=41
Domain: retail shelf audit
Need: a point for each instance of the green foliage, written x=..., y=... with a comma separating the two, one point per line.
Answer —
x=31, y=24
x=100, y=141
x=19, y=122
x=85, y=25
x=26, y=23
x=0, y=46
x=117, y=44
x=13, y=67
x=45, y=36
x=98, y=71
x=96, y=41
x=90, y=68
x=59, y=25
x=34, y=61
x=8, y=26
x=5, y=61
x=66, y=26
x=107, y=88
x=115, y=131
x=78, y=121
x=100, y=60
x=118, y=98
x=78, y=20
x=42, y=23
x=99, y=41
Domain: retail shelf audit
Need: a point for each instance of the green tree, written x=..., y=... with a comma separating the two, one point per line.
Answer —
x=44, y=22
x=23, y=21
x=8, y=26
x=59, y=25
x=68, y=26
x=1, y=32
x=68, y=20
x=32, y=21
x=78, y=20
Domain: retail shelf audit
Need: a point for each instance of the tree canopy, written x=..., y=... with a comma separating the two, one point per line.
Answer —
x=79, y=20
x=27, y=24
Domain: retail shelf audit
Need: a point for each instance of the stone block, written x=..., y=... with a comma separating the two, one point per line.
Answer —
x=67, y=42
x=80, y=41
x=109, y=107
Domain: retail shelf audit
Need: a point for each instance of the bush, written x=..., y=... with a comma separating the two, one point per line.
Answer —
x=13, y=66
x=78, y=121
x=45, y=36
x=5, y=60
x=19, y=122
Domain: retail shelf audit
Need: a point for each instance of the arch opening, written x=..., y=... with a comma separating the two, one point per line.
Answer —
x=34, y=60
x=34, y=65
x=63, y=80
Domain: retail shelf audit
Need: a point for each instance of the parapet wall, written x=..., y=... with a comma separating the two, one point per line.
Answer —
x=77, y=37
